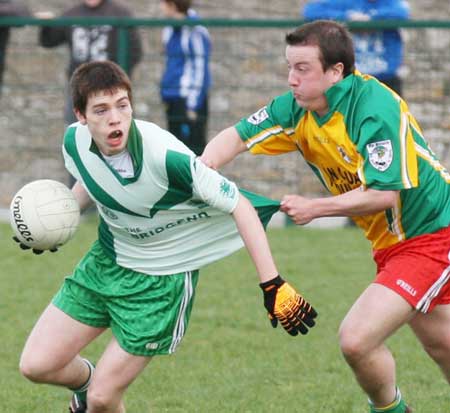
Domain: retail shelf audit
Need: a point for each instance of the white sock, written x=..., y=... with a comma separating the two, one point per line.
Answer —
x=88, y=381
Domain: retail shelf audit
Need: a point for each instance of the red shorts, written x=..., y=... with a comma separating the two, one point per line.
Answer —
x=418, y=269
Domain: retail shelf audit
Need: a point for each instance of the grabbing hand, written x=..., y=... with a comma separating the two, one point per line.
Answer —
x=287, y=306
x=300, y=209
x=35, y=250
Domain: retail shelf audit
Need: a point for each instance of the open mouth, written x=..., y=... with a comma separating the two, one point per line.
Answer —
x=115, y=134
x=115, y=138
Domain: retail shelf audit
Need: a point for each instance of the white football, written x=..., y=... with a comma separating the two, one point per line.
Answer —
x=44, y=214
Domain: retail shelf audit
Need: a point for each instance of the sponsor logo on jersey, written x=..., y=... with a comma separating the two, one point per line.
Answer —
x=344, y=155
x=142, y=233
x=405, y=286
x=260, y=116
x=108, y=212
x=341, y=179
x=380, y=154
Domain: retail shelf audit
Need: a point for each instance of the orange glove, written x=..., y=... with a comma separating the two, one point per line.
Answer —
x=287, y=306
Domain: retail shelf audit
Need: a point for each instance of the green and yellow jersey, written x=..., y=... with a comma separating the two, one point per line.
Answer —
x=173, y=215
x=367, y=138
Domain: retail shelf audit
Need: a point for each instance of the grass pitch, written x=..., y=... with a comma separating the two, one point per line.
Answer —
x=231, y=360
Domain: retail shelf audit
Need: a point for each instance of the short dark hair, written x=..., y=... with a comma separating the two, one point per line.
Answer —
x=181, y=5
x=92, y=77
x=333, y=39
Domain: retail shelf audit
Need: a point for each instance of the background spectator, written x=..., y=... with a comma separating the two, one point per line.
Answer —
x=87, y=43
x=8, y=8
x=378, y=52
x=186, y=78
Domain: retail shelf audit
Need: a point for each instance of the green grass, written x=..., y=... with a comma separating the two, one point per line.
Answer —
x=231, y=360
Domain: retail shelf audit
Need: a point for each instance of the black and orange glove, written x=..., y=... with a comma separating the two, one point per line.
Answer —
x=287, y=306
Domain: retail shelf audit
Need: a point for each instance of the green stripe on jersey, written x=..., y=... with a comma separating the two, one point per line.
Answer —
x=134, y=146
x=106, y=239
x=179, y=175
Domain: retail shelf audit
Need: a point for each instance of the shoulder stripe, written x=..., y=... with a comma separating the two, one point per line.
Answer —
x=435, y=164
x=69, y=140
x=266, y=134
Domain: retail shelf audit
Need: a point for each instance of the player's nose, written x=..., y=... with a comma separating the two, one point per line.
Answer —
x=114, y=116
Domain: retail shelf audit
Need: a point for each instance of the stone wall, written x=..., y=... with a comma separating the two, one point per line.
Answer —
x=248, y=67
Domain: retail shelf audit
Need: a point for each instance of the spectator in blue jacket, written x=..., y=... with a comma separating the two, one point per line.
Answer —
x=378, y=52
x=186, y=78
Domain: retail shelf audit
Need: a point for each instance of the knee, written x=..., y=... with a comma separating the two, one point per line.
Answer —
x=31, y=369
x=99, y=400
x=353, y=344
x=39, y=367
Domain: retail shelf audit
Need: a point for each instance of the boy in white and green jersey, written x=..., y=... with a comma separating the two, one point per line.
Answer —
x=366, y=148
x=172, y=214
x=163, y=215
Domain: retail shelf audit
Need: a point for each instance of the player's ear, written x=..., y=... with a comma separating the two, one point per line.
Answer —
x=337, y=72
x=81, y=118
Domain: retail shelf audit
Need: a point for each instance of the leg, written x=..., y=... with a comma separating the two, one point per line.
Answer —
x=198, y=128
x=434, y=333
x=115, y=371
x=176, y=117
x=51, y=351
x=377, y=314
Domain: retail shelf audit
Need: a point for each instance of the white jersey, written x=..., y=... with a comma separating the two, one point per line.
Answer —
x=173, y=215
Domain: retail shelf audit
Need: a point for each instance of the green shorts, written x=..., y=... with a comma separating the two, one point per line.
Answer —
x=148, y=314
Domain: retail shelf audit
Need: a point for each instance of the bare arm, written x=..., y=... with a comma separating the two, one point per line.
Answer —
x=81, y=195
x=281, y=300
x=255, y=239
x=358, y=202
x=223, y=148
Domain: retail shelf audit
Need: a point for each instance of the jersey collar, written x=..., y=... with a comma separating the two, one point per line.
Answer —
x=335, y=93
x=134, y=146
x=334, y=96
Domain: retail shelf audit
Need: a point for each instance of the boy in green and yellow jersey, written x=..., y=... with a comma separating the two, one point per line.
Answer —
x=366, y=148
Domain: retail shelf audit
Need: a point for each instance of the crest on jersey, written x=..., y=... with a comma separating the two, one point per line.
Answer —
x=258, y=117
x=380, y=154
